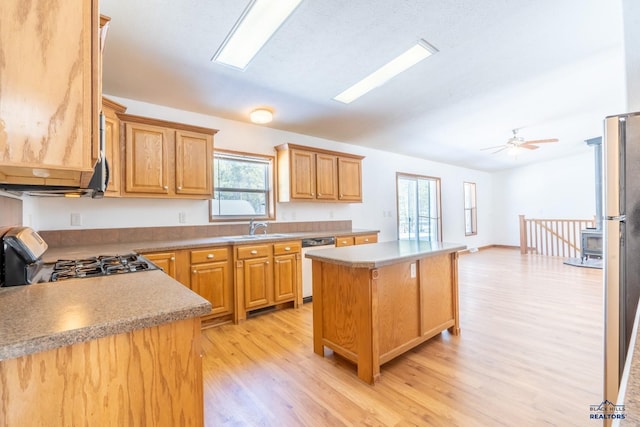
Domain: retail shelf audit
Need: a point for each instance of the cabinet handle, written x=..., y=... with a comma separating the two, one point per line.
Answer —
x=312, y=194
x=166, y=187
x=254, y=252
x=366, y=240
x=341, y=196
x=266, y=262
x=287, y=248
x=179, y=188
x=210, y=256
x=319, y=194
x=194, y=271
x=172, y=258
x=344, y=242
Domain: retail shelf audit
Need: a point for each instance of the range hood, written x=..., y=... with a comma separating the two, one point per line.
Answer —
x=95, y=187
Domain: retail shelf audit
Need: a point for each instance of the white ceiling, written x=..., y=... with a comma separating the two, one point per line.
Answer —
x=554, y=68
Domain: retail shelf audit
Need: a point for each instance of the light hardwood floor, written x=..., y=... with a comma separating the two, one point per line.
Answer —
x=529, y=354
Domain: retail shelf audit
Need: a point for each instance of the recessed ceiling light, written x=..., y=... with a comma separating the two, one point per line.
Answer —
x=417, y=53
x=261, y=116
x=259, y=21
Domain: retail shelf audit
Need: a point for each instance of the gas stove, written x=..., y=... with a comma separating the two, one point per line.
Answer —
x=21, y=261
x=95, y=266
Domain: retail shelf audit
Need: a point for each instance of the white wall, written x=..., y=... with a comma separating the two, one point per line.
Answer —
x=631, y=14
x=558, y=189
x=378, y=211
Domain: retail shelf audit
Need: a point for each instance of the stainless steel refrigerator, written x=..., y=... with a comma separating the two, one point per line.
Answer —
x=621, y=164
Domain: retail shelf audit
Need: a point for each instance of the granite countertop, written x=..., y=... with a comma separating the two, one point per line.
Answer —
x=45, y=316
x=380, y=254
x=76, y=252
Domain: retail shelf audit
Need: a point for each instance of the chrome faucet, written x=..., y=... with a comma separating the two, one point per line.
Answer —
x=253, y=226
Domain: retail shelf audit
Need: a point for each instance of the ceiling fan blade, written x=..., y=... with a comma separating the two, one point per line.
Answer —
x=494, y=147
x=528, y=147
x=541, y=141
x=502, y=149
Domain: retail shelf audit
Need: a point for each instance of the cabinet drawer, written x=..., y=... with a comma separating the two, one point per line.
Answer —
x=344, y=241
x=283, y=248
x=369, y=238
x=208, y=255
x=252, y=251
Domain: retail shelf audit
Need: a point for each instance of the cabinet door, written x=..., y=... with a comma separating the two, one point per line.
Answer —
x=258, y=283
x=112, y=148
x=349, y=179
x=213, y=282
x=49, y=108
x=147, y=158
x=303, y=175
x=326, y=177
x=165, y=260
x=285, y=277
x=194, y=153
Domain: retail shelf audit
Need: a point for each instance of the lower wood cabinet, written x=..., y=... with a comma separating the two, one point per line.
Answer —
x=165, y=260
x=266, y=275
x=356, y=240
x=212, y=279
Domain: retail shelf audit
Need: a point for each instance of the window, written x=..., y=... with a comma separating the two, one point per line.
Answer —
x=242, y=187
x=470, y=215
x=418, y=199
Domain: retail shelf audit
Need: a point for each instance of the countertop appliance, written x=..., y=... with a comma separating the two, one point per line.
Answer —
x=621, y=160
x=307, y=277
x=22, y=264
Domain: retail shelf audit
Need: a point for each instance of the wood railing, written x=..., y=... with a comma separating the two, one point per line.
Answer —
x=554, y=237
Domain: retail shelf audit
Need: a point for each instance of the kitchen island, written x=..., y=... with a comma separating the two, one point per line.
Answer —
x=374, y=302
x=110, y=350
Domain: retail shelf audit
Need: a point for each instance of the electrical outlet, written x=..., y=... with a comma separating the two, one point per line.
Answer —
x=182, y=217
x=76, y=219
x=413, y=270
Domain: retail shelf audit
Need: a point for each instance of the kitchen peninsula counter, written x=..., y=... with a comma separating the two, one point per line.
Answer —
x=100, y=351
x=372, y=303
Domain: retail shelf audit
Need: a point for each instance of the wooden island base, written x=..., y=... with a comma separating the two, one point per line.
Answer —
x=370, y=315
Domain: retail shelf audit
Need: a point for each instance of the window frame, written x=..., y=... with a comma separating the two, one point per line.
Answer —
x=438, y=182
x=473, y=209
x=270, y=196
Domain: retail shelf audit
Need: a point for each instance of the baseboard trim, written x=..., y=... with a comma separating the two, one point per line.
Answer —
x=483, y=248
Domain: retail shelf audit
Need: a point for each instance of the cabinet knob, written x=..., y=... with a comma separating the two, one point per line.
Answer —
x=319, y=194
x=172, y=258
x=210, y=256
x=166, y=187
x=366, y=240
x=344, y=242
x=266, y=262
x=341, y=196
x=194, y=271
x=179, y=188
x=312, y=194
x=254, y=252
x=287, y=248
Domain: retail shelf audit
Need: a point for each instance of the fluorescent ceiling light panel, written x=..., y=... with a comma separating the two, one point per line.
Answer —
x=259, y=21
x=388, y=71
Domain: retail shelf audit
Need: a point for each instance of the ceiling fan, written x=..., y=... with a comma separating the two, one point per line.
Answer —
x=516, y=142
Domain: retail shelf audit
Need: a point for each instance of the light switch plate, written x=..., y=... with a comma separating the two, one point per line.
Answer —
x=413, y=270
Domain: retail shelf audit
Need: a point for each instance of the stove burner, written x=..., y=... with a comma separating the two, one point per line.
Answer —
x=99, y=266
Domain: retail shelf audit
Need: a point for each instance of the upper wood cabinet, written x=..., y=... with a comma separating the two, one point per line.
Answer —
x=112, y=144
x=311, y=174
x=48, y=80
x=166, y=159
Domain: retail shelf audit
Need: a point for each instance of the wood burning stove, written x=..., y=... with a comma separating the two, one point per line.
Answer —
x=591, y=243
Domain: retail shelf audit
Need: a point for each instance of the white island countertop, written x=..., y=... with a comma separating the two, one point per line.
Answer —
x=384, y=253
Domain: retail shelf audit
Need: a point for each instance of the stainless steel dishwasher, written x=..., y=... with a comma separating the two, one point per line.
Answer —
x=307, y=278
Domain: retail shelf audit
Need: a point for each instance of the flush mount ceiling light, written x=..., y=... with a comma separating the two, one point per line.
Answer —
x=406, y=60
x=259, y=21
x=261, y=116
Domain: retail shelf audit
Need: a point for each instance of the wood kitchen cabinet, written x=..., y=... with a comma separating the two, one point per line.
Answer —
x=166, y=159
x=310, y=174
x=267, y=274
x=356, y=240
x=50, y=103
x=111, y=109
x=211, y=278
x=165, y=260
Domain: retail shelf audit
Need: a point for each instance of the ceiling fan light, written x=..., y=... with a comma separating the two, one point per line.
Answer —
x=261, y=116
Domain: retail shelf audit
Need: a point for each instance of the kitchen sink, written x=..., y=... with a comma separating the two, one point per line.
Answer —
x=255, y=236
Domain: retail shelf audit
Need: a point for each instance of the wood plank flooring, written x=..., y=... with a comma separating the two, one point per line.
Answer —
x=530, y=354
